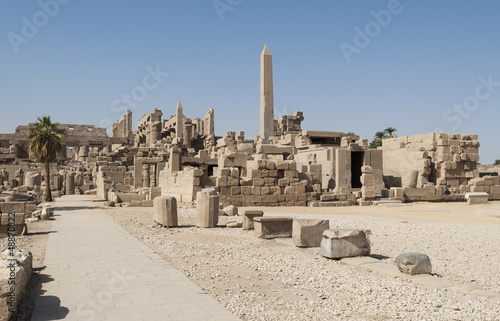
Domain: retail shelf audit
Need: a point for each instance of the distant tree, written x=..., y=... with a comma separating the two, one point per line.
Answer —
x=350, y=134
x=377, y=139
x=44, y=138
x=391, y=132
x=497, y=162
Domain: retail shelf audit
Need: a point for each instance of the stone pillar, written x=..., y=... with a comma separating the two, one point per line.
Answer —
x=146, y=175
x=83, y=153
x=179, y=125
x=20, y=177
x=266, y=95
x=368, y=181
x=207, y=209
x=209, y=128
x=70, y=183
x=187, y=135
x=165, y=211
x=32, y=179
x=175, y=159
x=152, y=173
x=155, y=133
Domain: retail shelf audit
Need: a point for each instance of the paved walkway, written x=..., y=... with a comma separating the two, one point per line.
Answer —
x=95, y=270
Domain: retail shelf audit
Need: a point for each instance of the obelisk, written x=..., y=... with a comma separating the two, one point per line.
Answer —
x=266, y=95
x=179, y=125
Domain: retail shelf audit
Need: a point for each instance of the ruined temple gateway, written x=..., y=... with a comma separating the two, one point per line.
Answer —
x=284, y=165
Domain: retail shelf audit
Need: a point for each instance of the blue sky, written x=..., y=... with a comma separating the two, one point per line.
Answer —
x=418, y=66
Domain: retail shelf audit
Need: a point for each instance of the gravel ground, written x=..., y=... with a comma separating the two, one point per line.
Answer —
x=266, y=280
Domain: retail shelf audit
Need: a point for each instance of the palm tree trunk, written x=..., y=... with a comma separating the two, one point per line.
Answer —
x=48, y=193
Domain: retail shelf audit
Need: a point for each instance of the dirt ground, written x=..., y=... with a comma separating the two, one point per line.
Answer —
x=36, y=243
x=268, y=280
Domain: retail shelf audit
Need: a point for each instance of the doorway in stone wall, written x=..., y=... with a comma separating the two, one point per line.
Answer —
x=357, y=160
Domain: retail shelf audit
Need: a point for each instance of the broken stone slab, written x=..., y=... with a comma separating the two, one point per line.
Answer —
x=477, y=198
x=341, y=243
x=233, y=224
x=248, y=218
x=414, y=263
x=230, y=210
x=272, y=227
x=308, y=232
x=165, y=211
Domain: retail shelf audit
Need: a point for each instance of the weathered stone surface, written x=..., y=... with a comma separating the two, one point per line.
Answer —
x=477, y=198
x=230, y=210
x=248, y=218
x=207, y=210
x=13, y=207
x=165, y=211
x=340, y=243
x=414, y=263
x=308, y=232
x=18, y=268
x=272, y=227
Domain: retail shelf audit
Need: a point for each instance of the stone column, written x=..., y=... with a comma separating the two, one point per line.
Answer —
x=20, y=177
x=175, y=159
x=70, y=183
x=207, y=209
x=146, y=175
x=165, y=211
x=152, y=170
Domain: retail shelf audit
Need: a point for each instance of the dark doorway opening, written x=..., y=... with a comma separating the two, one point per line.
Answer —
x=357, y=159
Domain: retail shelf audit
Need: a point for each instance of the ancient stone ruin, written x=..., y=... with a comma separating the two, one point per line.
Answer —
x=177, y=156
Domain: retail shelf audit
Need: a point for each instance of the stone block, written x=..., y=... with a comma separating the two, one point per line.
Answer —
x=207, y=210
x=340, y=243
x=273, y=227
x=230, y=210
x=13, y=207
x=222, y=181
x=477, y=198
x=414, y=263
x=248, y=218
x=246, y=190
x=232, y=181
x=308, y=232
x=165, y=211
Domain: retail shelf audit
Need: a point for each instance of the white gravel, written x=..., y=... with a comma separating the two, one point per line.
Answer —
x=266, y=280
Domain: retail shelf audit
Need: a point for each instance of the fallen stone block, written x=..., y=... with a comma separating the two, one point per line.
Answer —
x=272, y=227
x=308, y=232
x=414, y=263
x=248, y=218
x=477, y=198
x=341, y=243
x=165, y=211
x=230, y=210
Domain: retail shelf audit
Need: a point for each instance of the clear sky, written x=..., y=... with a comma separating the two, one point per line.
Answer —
x=352, y=66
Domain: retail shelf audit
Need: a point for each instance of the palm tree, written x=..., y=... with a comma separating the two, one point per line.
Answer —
x=377, y=139
x=44, y=138
x=391, y=132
